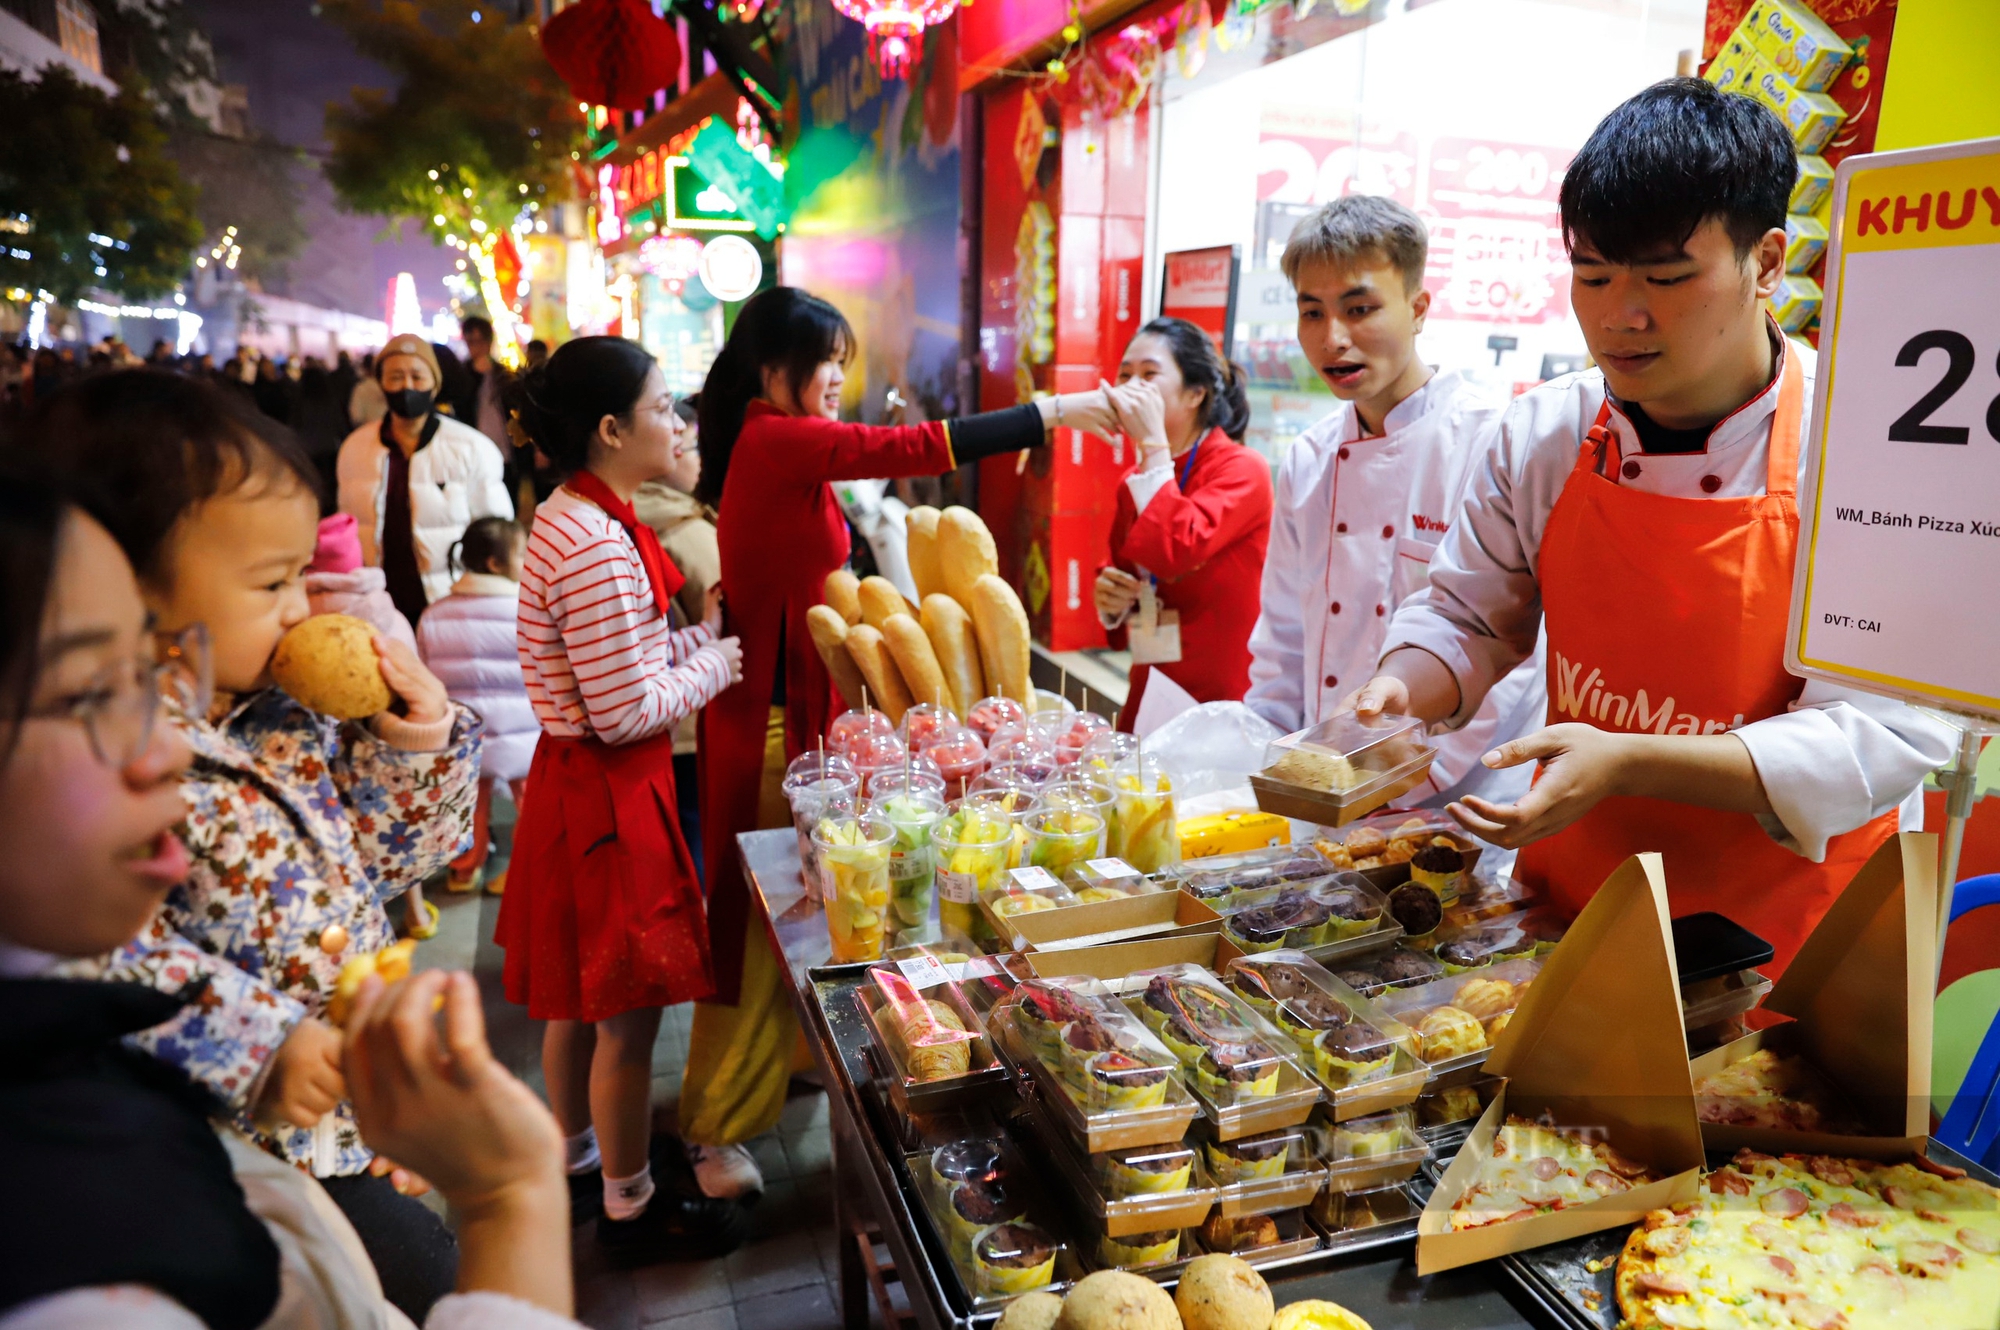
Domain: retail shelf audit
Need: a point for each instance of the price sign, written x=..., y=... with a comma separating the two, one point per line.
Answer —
x=1898, y=576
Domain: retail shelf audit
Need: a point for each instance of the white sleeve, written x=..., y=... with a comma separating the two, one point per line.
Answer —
x=492, y=1311
x=1840, y=758
x=128, y=1306
x=1277, y=642
x=1482, y=612
x=489, y=484
x=1145, y=485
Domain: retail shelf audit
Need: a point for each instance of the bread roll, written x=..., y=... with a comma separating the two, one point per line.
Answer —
x=886, y=691
x=829, y=634
x=1002, y=626
x=965, y=552
x=879, y=600
x=843, y=592
x=918, y=663
x=328, y=664
x=949, y=627
x=922, y=525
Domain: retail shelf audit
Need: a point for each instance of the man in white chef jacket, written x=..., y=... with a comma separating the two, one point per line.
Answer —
x=1364, y=495
x=1641, y=519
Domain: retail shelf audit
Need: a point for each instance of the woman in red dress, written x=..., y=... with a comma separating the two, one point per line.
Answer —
x=602, y=922
x=772, y=444
x=1193, y=519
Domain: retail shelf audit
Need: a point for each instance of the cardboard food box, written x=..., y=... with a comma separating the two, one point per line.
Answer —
x=1149, y=914
x=1859, y=995
x=1616, y=963
x=1796, y=42
x=1114, y=961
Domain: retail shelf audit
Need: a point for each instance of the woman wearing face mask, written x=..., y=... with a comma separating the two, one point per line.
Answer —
x=121, y=1203
x=1193, y=519
x=772, y=444
x=416, y=479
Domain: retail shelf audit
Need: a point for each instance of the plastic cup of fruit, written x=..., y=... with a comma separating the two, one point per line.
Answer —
x=922, y=723
x=972, y=844
x=960, y=755
x=875, y=754
x=918, y=776
x=912, y=861
x=813, y=796
x=850, y=727
x=1107, y=749
x=988, y=714
x=1148, y=834
x=1061, y=838
x=854, y=865
x=1083, y=727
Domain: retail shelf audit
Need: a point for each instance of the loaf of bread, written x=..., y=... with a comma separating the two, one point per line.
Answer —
x=843, y=592
x=879, y=600
x=965, y=552
x=922, y=525
x=918, y=664
x=886, y=690
x=927, y=1034
x=829, y=635
x=1002, y=627
x=949, y=627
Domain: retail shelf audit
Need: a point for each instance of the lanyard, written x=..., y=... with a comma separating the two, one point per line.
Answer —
x=1187, y=463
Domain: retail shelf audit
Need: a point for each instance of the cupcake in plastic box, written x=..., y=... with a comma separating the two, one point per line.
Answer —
x=1146, y=1170
x=1252, y=1159
x=1139, y=1249
x=1012, y=1258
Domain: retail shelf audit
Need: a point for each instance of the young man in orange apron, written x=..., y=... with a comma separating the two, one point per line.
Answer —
x=1646, y=512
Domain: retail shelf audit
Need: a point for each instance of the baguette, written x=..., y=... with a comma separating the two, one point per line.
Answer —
x=879, y=600
x=843, y=592
x=956, y=647
x=1002, y=626
x=965, y=553
x=922, y=526
x=829, y=634
x=918, y=663
x=886, y=690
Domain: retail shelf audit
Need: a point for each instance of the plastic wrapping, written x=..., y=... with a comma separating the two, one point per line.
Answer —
x=1102, y=1074
x=850, y=728
x=1260, y=1158
x=994, y=1220
x=960, y=756
x=935, y=1051
x=1456, y=1018
x=990, y=713
x=1304, y=914
x=922, y=723
x=1345, y=755
x=912, y=863
x=1372, y=1152
x=1217, y=880
x=1145, y=1170
x=1361, y=1214
x=1236, y=1063
x=1060, y=839
x=1212, y=746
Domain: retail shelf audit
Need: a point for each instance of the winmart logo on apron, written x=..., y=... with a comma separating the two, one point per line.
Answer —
x=1589, y=698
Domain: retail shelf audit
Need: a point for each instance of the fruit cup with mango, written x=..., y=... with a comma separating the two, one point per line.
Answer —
x=912, y=860
x=854, y=863
x=972, y=843
x=1148, y=834
x=1060, y=838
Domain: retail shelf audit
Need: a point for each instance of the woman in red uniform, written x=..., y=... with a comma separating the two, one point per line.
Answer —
x=1194, y=516
x=771, y=442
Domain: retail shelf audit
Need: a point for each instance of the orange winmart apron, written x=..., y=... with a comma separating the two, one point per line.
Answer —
x=1667, y=615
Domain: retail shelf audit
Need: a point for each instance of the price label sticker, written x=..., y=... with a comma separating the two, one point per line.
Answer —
x=1900, y=502
x=1034, y=879
x=958, y=888
x=1111, y=868
x=924, y=972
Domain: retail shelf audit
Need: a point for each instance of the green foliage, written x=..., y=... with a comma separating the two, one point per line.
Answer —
x=93, y=164
x=248, y=184
x=479, y=114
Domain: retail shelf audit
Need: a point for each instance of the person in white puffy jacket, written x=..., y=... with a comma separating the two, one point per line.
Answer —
x=447, y=474
x=468, y=640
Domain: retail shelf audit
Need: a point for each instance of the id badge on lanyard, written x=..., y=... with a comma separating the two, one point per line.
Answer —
x=1154, y=635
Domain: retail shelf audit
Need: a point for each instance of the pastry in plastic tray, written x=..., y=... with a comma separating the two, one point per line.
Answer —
x=1147, y=1170
x=1349, y=1212
x=1025, y=890
x=1102, y=1056
x=1481, y=897
x=1346, y=1049
x=1448, y=1032
x=1208, y=1029
x=1439, y=867
x=1399, y=967
x=1272, y=980
x=936, y=1043
x=1042, y=1007
x=1106, y=880
x=1417, y=907
x=981, y=1203
x=1485, y=943
x=1453, y=1103
x=1253, y=870
x=1344, y=752
x=1219, y=1233
x=1392, y=838
x=1012, y=1258
x=973, y=1159
x=1462, y=1014
x=1254, y=1158
x=1305, y=914
x=1139, y=1249
x=1372, y=1137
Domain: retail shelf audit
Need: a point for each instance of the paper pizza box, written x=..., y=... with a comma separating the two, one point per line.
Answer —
x=1859, y=998
x=1597, y=1043
x=1104, y=922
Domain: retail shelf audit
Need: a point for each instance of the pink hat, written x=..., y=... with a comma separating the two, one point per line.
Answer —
x=338, y=549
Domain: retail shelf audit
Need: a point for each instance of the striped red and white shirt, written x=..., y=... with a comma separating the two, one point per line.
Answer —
x=600, y=659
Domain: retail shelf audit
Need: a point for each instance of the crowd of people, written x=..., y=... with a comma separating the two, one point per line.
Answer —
x=198, y=855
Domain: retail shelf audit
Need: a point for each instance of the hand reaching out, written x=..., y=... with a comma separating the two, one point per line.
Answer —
x=1142, y=412
x=1581, y=765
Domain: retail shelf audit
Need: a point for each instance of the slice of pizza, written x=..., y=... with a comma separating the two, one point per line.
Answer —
x=1766, y=1090
x=1820, y=1243
x=1536, y=1169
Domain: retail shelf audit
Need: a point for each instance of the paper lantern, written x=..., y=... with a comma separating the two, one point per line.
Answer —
x=896, y=29
x=614, y=53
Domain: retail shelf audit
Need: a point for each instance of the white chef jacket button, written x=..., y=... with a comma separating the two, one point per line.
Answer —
x=1331, y=681
x=1388, y=531
x=1631, y=470
x=333, y=940
x=1710, y=484
x=1343, y=452
x=1336, y=607
x=1340, y=527
x=1378, y=611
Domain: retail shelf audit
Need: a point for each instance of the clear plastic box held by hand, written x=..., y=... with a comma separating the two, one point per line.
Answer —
x=1342, y=768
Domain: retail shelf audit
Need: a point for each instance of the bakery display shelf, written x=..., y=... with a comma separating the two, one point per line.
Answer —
x=984, y=1078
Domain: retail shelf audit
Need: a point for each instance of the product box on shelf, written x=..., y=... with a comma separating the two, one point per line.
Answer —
x=1211, y=834
x=1263, y=1173
x=1733, y=63
x=1796, y=42
x=1812, y=117
x=1815, y=183
x=1859, y=995
x=1633, y=1091
x=1805, y=241
x=1796, y=302
x=1237, y=1065
x=1367, y=1154
x=932, y=1044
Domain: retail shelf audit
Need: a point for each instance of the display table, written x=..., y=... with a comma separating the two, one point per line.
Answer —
x=872, y=1209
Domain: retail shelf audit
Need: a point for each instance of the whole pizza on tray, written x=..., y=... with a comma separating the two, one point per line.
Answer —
x=1820, y=1243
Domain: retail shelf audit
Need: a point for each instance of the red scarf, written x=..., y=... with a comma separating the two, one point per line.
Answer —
x=660, y=571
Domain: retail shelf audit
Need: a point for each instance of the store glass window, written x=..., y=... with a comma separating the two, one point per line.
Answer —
x=1466, y=110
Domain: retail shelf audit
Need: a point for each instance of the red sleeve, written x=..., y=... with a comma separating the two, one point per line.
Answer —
x=816, y=449
x=1179, y=532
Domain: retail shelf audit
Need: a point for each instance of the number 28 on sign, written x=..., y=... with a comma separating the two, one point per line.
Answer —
x=1899, y=561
